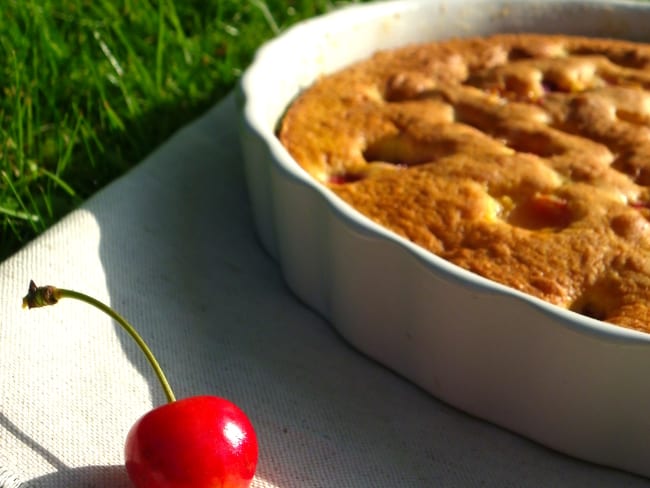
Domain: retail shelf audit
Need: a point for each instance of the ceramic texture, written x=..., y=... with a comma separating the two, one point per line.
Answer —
x=569, y=382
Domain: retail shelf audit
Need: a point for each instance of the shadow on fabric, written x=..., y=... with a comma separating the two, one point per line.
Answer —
x=95, y=476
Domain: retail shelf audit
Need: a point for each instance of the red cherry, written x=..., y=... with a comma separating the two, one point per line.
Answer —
x=341, y=179
x=542, y=211
x=197, y=442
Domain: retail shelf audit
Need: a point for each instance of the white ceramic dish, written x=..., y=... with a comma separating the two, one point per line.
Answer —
x=567, y=381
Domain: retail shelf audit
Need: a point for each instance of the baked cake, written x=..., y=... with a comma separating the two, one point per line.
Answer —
x=523, y=158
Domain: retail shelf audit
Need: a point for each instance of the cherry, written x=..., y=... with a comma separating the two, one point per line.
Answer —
x=206, y=443
x=197, y=442
x=542, y=211
x=552, y=209
x=341, y=179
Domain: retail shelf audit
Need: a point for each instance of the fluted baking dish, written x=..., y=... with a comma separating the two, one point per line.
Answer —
x=567, y=381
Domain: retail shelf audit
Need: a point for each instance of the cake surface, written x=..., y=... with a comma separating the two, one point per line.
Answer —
x=523, y=158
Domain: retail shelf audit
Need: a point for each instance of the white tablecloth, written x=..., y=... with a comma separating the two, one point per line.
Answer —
x=171, y=246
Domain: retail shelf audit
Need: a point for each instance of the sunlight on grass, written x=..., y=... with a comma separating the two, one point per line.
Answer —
x=92, y=87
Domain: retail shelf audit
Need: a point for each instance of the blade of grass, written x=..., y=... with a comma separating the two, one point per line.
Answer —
x=23, y=213
x=267, y=15
x=160, y=47
x=18, y=214
x=59, y=182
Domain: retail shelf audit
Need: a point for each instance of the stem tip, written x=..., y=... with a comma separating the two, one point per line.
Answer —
x=40, y=296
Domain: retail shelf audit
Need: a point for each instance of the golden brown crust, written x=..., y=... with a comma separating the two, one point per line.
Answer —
x=524, y=158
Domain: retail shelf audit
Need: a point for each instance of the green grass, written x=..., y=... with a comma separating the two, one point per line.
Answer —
x=90, y=87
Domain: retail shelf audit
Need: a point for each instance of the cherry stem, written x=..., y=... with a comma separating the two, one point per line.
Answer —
x=41, y=296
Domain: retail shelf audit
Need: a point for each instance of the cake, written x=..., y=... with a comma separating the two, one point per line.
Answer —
x=523, y=158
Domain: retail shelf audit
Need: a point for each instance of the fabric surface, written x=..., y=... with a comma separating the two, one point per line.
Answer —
x=171, y=246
